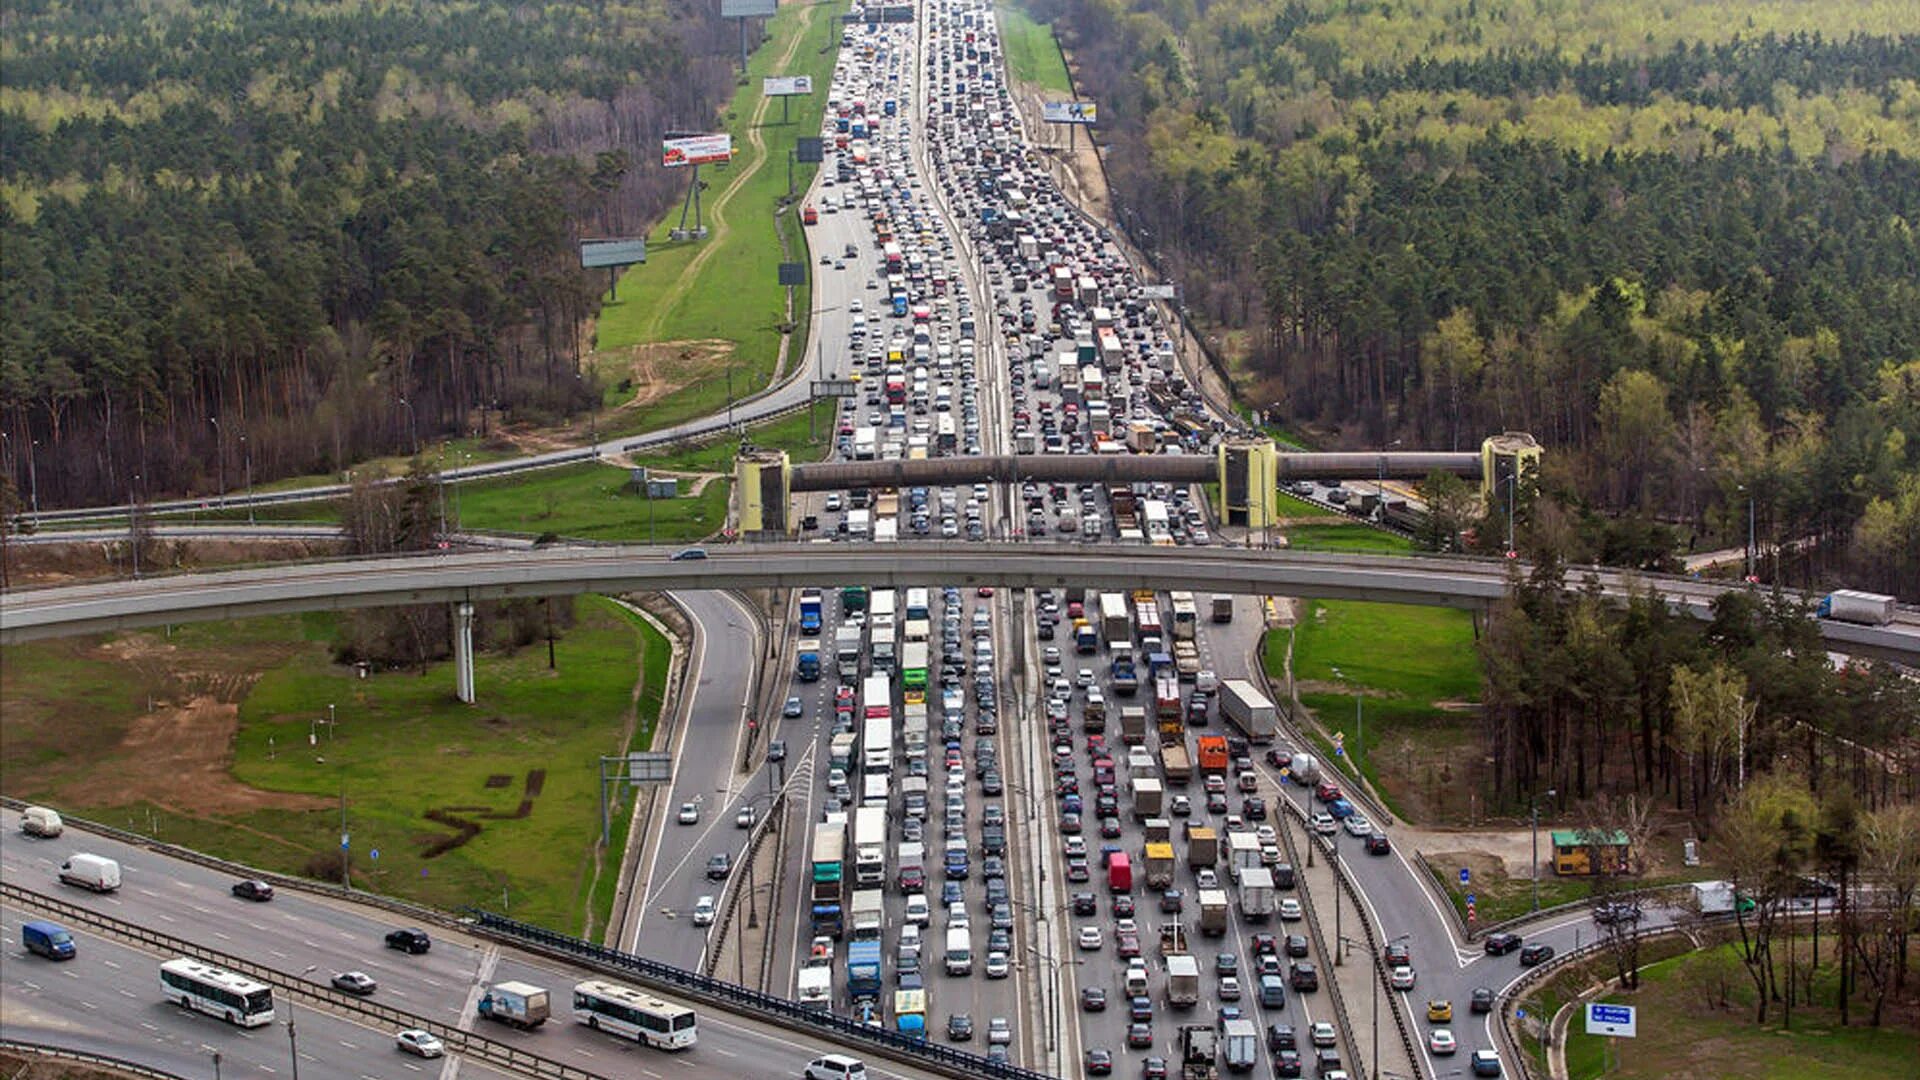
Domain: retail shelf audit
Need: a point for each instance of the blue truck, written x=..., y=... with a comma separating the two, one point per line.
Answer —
x=863, y=969
x=808, y=666
x=810, y=611
x=1126, y=680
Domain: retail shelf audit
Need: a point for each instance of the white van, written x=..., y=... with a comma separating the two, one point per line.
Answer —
x=41, y=821
x=95, y=872
x=918, y=913
x=836, y=1067
x=1206, y=682
x=959, y=956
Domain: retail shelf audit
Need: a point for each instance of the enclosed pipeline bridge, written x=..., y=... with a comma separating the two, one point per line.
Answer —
x=1248, y=472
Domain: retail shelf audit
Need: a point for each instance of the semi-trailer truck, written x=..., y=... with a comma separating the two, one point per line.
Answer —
x=1248, y=709
x=1850, y=605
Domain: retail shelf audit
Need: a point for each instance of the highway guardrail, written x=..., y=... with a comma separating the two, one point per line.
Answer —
x=784, y=1012
x=478, y=1048
x=43, y=1052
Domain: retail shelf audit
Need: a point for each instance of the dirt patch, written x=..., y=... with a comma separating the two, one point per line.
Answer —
x=181, y=757
x=96, y=560
x=656, y=369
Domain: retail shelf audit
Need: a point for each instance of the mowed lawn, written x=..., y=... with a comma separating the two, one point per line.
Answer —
x=734, y=295
x=235, y=775
x=1680, y=1034
x=1032, y=53
x=1415, y=671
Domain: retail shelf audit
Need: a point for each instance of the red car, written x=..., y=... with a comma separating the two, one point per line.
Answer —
x=1327, y=791
x=1127, y=944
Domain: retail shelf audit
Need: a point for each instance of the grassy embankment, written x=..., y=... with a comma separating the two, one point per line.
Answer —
x=1033, y=54
x=1684, y=1032
x=200, y=736
x=731, y=293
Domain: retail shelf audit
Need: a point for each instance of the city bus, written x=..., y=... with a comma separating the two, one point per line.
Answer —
x=630, y=1014
x=217, y=992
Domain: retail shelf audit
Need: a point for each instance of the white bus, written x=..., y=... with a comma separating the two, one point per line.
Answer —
x=218, y=992
x=630, y=1014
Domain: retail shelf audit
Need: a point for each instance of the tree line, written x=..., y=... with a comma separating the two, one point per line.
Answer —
x=1696, y=312
x=278, y=238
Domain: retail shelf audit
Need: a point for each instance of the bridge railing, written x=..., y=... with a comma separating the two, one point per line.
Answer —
x=784, y=1012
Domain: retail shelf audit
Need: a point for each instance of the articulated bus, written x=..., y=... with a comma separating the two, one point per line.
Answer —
x=630, y=1014
x=217, y=992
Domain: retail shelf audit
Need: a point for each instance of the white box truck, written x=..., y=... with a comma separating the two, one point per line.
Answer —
x=95, y=872
x=519, y=1004
x=1183, y=981
x=1248, y=709
x=815, y=989
x=1256, y=893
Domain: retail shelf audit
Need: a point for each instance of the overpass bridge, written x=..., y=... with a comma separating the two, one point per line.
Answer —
x=462, y=579
x=1247, y=473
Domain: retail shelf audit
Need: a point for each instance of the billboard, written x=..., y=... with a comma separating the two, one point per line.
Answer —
x=598, y=253
x=810, y=150
x=745, y=9
x=786, y=86
x=1070, y=112
x=696, y=150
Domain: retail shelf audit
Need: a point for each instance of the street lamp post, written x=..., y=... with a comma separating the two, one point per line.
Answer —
x=293, y=1045
x=413, y=425
x=219, y=451
x=1533, y=811
x=246, y=452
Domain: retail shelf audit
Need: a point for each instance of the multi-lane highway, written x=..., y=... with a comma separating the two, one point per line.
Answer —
x=108, y=998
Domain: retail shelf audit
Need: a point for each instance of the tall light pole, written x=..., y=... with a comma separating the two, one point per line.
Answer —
x=220, y=451
x=247, y=452
x=1753, y=550
x=413, y=426
x=1510, y=508
x=293, y=1045
x=133, y=523
x=1533, y=811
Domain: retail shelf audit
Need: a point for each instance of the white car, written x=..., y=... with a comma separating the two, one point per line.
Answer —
x=1324, y=824
x=744, y=819
x=1440, y=1041
x=1358, y=825
x=1266, y=835
x=1090, y=938
x=917, y=911
x=1290, y=910
x=416, y=1041
x=703, y=911
x=689, y=813
x=1401, y=978
x=1229, y=988
x=1206, y=878
x=997, y=966
x=1323, y=1033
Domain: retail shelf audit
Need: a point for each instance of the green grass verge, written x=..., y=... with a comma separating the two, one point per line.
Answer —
x=1688, y=1035
x=1033, y=55
x=1357, y=538
x=591, y=502
x=734, y=295
x=402, y=746
x=1404, y=661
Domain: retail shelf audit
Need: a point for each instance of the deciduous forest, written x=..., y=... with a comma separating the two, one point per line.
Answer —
x=1676, y=241
x=297, y=233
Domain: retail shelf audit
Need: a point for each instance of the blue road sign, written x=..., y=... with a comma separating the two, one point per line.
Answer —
x=1469, y=898
x=1612, y=1014
x=375, y=853
x=1464, y=875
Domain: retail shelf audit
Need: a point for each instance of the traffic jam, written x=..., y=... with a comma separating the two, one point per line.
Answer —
x=1120, y=799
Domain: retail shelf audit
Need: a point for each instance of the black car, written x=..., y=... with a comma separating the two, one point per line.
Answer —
x=257, y=891
x=1099, y=1062
x=1286, y=1063
x=1093, y=999
x=1153, y=1068
x=1084, y=904
x=960, y=1027
x=719, y=867
x=1305, y=976
x=1535, y=953
x=1140, y=1036
x=777, y=750
x=1296, y=945
x=1482, y=999
x=1280, y=1037
x=1140, y=1008
x=411, y=940
x=1502, y=944
x=1377, y=843
x=1253, y=808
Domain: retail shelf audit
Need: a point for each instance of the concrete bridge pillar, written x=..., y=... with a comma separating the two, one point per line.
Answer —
x=1248, y=475
x=760, y=490
x=463, y=652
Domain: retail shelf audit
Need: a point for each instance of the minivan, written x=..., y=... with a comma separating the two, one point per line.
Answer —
x=836, y=1067
x=47, y=939
x=1273, y=992
x=41, y=821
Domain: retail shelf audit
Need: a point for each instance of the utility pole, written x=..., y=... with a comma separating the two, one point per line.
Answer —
x=219, y=451
x=1533, y=810
x=247, y=451
x=346, y=856
x=293, y=1045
